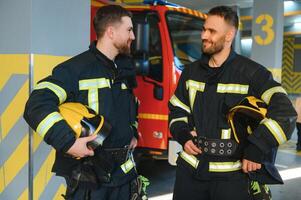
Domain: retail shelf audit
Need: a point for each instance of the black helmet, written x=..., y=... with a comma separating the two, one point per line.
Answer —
x=85, y=122
x=246, y=116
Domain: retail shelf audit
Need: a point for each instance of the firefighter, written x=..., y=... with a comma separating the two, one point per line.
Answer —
x=214, y=164
x=102, y=78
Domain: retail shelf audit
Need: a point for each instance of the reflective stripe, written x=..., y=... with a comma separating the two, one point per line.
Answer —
x=267, y=95
x=224, y=166
x=226, y=133
x=123, y=86
x=127, y=166
x=194, y=86
x=275, y=129
x=183, y=119
x=48, y=122
x=57, y=90
x=176, y=102
x=92, y=85
x=232, y=88
x=192, y=160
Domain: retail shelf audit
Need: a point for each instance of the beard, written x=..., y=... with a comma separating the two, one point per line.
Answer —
x=124, y=48
x=215, y=47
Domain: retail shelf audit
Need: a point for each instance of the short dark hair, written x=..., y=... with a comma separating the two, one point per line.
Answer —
x=226, y=12
x=108, y=15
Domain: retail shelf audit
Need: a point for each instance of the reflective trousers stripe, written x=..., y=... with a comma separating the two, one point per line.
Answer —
x=128, y=166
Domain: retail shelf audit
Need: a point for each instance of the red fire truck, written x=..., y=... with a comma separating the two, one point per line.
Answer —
x=168, y=36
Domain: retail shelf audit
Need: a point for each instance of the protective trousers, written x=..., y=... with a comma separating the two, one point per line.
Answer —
x=102, y=193
x=186, y=187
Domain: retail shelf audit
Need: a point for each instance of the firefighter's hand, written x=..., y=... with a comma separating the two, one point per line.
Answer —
x=190, y=147
x=249, y=166
x=133, y=143
x=80, y=149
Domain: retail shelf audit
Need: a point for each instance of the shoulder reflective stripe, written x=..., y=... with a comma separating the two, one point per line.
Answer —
x=57, y=90
x=232, y=88
x=183, y=119
x=48, y=122
x=176, y=102
x=224, y=166
x=92, y=85
x=192, y=160
x=275, y=129
x=127, y=166
x=267, y=95
x=226, y=133
x=123, y=86
x=194, y=86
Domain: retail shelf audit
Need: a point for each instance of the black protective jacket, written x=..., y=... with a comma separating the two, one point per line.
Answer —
x=205, y=95
x=91, y=79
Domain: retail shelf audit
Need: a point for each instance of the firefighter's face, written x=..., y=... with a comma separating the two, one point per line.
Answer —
x=215, y=34
x=124, y=35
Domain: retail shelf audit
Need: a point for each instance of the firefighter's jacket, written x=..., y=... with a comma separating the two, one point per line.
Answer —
x=93, y=80
x=203, y=98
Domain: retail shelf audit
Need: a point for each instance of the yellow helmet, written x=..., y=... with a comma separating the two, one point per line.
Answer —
x=246, y=116
x=85, y=122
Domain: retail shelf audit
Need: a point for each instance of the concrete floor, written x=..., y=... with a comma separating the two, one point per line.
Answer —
x=162, y=175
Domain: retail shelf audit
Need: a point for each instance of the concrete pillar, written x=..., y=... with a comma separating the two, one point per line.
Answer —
x=267, y=34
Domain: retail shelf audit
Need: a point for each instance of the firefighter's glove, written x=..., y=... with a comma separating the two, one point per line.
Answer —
x=260, y=191
x=138, y=188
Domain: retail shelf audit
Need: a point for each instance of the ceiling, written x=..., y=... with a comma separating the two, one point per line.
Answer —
x=204, y=5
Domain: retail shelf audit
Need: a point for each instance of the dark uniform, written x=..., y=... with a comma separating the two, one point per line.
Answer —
x=203, y=98
x=93, y=80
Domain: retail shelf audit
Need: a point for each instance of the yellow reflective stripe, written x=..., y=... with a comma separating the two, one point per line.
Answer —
x=267, y=95
x=176, y=102
x=127, y=166
x=123, y=86
x=183, y=119
x=232, y=88
x=224, y=166
x=57, y=90
x=93, y=99
x=48, y=122
x=92, y=85
x=194, y=86
x=226, y=133
x=192, y=160
x=275, y=129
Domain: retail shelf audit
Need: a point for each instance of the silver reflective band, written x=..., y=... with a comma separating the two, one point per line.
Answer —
x=48, y=122
x=224, y=166
x=232, y=88
x=275, y=129
x=92, y=85
x=176, y=102
x=192, y=160
x=226, y=133
x=127, y=166
x=180, y=119
x=194, y=86
x=267, y=95
x=57, y=90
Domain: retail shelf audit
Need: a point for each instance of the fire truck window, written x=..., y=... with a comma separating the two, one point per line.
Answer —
x=155, y=51
x=185, y=33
